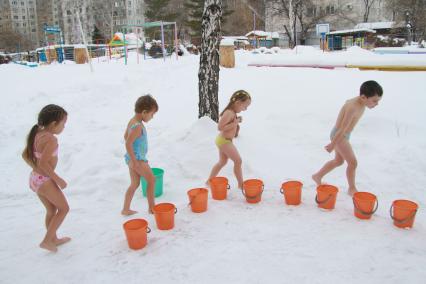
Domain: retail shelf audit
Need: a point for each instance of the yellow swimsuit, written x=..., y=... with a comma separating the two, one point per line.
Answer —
x=220, y=140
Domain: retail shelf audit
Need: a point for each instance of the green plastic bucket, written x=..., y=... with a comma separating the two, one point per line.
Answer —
x=158, y=187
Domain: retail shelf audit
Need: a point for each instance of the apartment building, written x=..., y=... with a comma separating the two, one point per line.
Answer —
x=19, y=16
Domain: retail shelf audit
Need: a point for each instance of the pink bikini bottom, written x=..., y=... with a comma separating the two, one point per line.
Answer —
x=37, y=180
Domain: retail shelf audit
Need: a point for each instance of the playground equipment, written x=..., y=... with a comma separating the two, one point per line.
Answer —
x=141, y=29
x=117, y=47
x=54, y=41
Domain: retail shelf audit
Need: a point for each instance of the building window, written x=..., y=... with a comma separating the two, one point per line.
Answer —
x=15, y=17
x=311, y=12
x=22, y=3
x=14, y=3
x=33, y=30
x=68, y=12
x=23, y=17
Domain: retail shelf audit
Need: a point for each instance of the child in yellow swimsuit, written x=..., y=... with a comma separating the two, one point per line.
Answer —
x=228, y=126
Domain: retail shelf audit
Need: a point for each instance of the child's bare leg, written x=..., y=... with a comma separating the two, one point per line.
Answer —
x=50, y=212
x=55, y=196
x=145, y=170
x=223, y=159
x=345, y=150
x=328, y=167
x=232, y=153
x=134, y=184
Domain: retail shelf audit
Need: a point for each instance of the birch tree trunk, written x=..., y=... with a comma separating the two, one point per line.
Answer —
x=208, y=74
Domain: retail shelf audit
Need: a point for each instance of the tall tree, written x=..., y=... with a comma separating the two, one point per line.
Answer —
x=97, y=36
x=105, y=12
x=412, y=12
x=195, y=10
x=157, y=10
x=208, y=74
x=367, y=7
x=296, y=11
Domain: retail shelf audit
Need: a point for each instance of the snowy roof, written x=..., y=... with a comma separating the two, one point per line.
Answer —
x=353, y=31
x=375, y=25
x=236, y=37
x=268, y=35
x=227, y=42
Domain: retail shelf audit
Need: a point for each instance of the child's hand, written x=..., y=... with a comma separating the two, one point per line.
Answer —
x=329, y=147
x=61, y=183
x=239, y=119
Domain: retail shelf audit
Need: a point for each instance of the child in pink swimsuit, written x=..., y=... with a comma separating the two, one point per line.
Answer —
x=41, y=154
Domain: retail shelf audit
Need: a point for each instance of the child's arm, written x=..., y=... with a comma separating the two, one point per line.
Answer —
x=347, y=119
x=43, y=163
x=227, y=121
x=131, y=137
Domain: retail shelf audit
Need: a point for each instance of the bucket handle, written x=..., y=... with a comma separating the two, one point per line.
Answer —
x=363, y=212
x=228, y=187
x=403, y=220
x=175, y=210
x=148, y=230
x=253, y=197
x=322, y=202
x=282, y=190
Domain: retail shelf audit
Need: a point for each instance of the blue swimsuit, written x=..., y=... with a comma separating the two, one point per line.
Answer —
x=333, y=133
x=140, y=145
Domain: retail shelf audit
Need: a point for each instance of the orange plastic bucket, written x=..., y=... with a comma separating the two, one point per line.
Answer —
x=365, y=204
x=403, y=213
x=252, y=190
x=292, y=191
x=219, y=187
x=326, y=196
x=136, y=233
x=198, y=199
x=164, y=214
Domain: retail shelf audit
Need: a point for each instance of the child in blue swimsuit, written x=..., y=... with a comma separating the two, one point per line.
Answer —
x=136, y=149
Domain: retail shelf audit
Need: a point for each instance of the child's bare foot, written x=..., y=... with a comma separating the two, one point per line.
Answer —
x=62, y=241
x=50, y=246
x=352, y=191
x=316, y=179
x=128, y=212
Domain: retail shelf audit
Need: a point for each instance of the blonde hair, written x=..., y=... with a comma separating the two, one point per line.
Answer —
x=239, y=95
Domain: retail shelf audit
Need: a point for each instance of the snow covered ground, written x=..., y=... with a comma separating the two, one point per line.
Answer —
x=282, y=137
